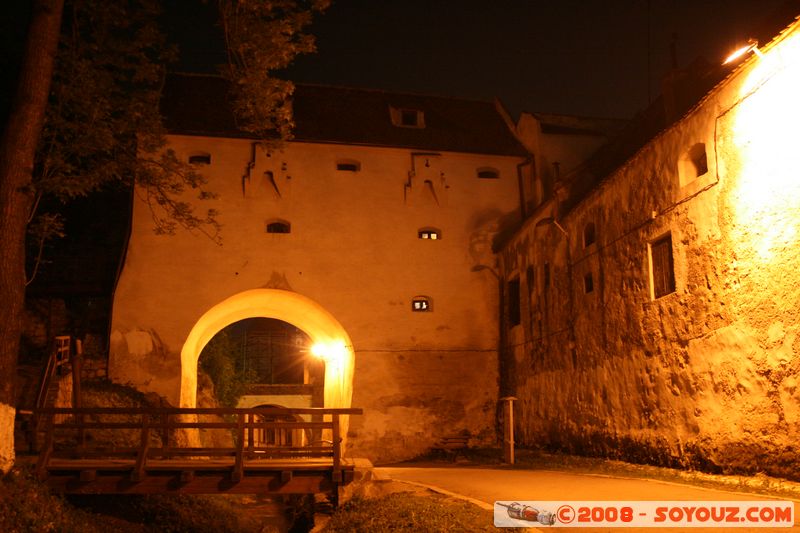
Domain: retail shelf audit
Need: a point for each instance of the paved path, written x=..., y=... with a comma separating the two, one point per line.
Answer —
x=488, y=485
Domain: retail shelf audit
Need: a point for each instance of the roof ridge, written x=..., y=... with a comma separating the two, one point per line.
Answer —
x=347, y=88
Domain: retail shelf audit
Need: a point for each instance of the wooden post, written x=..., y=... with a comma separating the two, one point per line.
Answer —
x=238, y=464
x=337, y=450
x=77, y=366
x=144, y=448
x=251, y=417
x=508, y=429
x=166, y=428
x=47, y=450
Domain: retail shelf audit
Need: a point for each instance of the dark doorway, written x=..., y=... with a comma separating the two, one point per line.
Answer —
x=274, y=352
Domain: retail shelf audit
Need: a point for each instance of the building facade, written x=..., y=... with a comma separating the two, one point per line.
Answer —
x=371, y=231
x=653, y=301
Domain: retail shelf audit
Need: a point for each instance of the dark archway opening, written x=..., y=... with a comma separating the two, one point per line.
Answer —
x=258, y=361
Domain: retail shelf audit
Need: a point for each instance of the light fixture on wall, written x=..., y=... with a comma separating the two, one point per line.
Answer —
x=329, y=351
x=751, y=46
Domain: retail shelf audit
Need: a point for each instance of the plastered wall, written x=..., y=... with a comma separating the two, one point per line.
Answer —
x=354, y=250
x=707, y=375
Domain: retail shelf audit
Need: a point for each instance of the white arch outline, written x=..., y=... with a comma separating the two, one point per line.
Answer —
x=296, y=309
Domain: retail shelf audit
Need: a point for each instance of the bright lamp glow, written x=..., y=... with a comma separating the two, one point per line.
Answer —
x=329, y=351
x=752, y=45
x=765, y=158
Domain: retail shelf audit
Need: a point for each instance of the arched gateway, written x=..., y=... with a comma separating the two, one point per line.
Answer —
x=328, y=337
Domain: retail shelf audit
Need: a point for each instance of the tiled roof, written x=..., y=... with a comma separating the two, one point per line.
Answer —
x=199, y=105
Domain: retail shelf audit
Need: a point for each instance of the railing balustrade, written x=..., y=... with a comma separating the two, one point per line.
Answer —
x=142, y=436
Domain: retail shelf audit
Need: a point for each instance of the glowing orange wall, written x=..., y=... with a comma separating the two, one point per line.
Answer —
x=707, y=376
x=353, y=258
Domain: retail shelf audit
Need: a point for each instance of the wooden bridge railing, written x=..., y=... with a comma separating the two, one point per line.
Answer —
x=91, y=439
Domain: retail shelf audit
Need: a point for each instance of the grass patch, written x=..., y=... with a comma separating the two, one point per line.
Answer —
x=27, y=506
x=404, y=511
x=171, y=513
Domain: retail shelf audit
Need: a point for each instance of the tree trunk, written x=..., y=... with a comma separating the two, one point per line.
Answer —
x=17, y=152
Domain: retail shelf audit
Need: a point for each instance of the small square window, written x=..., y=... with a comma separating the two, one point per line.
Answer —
x=407, y=117
x=430, y=234
x=692, y=164
x=421, y=304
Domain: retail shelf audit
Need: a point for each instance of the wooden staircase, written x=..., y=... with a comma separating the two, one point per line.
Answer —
x=40, y=389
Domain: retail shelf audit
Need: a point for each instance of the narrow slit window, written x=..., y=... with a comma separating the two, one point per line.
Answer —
x=662, y=267
x=348, y=165
x=589, y=235
x=421, y=304
x=530, y=278
x=429, y=234
x=546, y=275
x=279, y=226
x=200, y=158
x=488, y=173
x=514, y=314
x=588, y=283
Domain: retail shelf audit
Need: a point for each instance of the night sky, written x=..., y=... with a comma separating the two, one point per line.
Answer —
x=584, y=57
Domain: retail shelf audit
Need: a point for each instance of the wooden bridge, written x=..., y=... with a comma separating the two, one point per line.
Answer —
x=156, y=450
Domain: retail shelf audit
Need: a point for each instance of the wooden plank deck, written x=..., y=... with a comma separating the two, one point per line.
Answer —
x=69, y=465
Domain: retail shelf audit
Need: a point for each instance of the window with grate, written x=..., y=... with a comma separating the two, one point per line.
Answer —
x=279, y=226
x=200, y=158
x=662, y=267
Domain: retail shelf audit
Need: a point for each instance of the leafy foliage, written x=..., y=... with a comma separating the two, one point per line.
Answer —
x=45, y=227
x=262, y=36
x=220, y=360
x=103, y=122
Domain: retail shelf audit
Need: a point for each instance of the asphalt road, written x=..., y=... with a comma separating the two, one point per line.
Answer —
x=487, y=485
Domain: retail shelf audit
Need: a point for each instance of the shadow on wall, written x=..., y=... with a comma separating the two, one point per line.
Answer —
x=507, y=226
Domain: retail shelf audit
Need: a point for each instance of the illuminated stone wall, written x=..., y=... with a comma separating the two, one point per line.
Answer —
x=707, y=375
x=353, y=255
